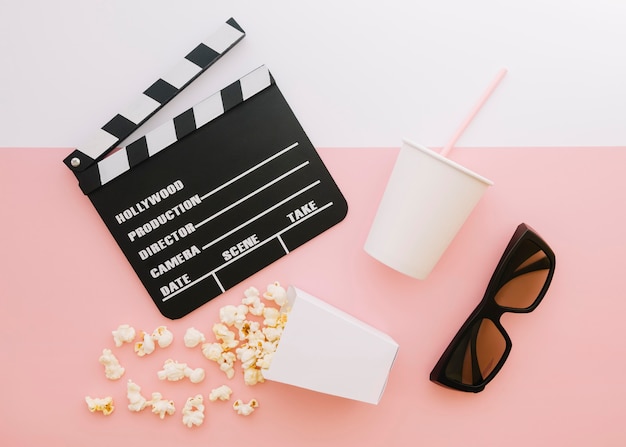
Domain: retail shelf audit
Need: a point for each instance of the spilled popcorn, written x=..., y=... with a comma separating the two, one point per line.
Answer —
x=220, y=393
x=193, y=337
x=162, y=336
x=174, y=371
x=145, y=345
x=277, y=293
x=137, y=402
x=193, y=411
x=253, y=301
x=162, y=406
x=101, y=404
x=248, y=333
x=123, y=334
x=257, y=340
x=233, y=315
x=112, y=368
x=245, y=409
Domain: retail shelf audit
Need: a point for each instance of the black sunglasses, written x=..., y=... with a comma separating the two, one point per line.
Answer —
x=481, y=346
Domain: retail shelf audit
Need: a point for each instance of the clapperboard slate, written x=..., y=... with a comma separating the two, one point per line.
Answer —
x=216, y=194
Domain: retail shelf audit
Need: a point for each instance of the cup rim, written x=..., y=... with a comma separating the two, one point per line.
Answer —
x=449, y=162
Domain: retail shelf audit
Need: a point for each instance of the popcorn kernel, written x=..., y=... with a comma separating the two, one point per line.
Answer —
x=245, y=409
x=100, y=404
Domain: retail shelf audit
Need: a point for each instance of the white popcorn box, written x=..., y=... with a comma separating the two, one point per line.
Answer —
x=326, y=350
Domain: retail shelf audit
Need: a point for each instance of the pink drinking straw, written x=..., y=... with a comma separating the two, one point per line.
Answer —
x=473, y=113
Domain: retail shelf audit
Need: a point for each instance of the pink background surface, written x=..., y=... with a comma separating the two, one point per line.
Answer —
x=64, y=286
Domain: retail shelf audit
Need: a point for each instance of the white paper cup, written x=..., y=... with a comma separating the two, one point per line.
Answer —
x=427, y=199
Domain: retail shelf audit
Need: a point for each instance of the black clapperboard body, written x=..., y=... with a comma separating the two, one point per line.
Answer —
x=216, y=194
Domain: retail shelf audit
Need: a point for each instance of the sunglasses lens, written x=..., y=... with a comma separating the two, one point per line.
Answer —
x=525, y=277
x=478, y=354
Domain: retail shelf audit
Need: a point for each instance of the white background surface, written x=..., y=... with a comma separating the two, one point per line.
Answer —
x=357, y=73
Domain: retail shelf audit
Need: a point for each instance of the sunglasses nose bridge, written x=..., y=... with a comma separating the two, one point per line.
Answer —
x=493, y=311
x=497, y=321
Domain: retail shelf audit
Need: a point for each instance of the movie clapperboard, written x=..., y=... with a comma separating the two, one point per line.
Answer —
x=209, y=198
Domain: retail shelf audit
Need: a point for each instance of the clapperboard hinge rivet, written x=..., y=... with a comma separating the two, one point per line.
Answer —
x=75, y=162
